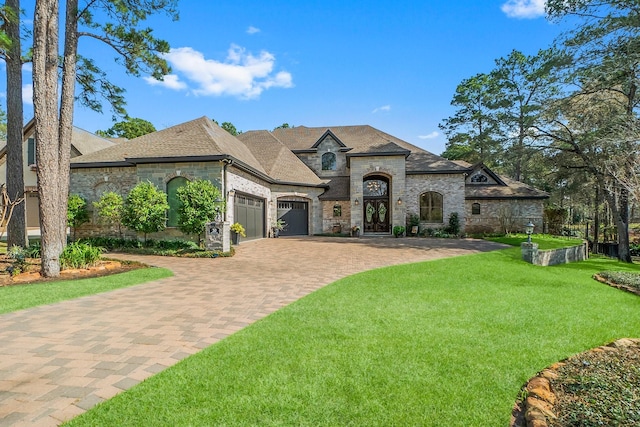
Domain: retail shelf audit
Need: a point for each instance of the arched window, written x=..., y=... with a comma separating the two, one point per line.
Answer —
x=172, y=197
x=479, y=178
x=329, y=162
x=475, y=209
x=431, y=207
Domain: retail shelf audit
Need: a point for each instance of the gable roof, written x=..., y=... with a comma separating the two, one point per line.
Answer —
x=505, y=188
x=277, y=160
x=364, y=140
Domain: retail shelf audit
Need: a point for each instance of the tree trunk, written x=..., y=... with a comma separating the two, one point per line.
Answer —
x=596, y=220
x=619, y=205
x=17, y=227
x=45, y=105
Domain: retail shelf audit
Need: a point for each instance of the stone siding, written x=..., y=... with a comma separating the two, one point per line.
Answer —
x=314, y=160
x=392, y=167
x=328, y=220
x=451, y=186
x=161, y=173
x=240, y=181
x=503, y=215
x=297, y=194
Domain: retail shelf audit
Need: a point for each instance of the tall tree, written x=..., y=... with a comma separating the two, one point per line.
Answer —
x=605, y=72
x=525, y=84
x=473, y=132
x=12, y=54
x=136, y=48
x=129, y=128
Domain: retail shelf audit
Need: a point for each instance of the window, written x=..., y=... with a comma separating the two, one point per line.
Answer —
x=328, y=162
x=475, y=209
x=337, y=210
x=173, y=219
x=31, y=152
x=478, y=178
x=431, y=207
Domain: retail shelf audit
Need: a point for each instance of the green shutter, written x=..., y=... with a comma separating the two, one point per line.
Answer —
x=31, y=152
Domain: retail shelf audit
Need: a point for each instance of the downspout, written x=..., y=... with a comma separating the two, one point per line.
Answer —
x=225, y=164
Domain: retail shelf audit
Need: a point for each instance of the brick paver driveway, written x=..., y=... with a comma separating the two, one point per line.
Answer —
x=59, y=360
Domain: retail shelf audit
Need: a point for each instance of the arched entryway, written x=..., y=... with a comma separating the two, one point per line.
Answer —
x=376, y=208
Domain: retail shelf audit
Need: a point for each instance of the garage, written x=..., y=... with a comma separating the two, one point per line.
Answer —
x=296, y=216
x=249, y=211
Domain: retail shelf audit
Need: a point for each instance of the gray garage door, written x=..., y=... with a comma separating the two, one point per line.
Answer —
x=249, y=211
x=296, y=216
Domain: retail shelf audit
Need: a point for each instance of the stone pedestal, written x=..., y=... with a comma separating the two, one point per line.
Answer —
x=218, y=236
x=529, y=252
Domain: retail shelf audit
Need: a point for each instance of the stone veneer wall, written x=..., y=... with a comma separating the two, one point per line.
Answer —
x=241, y=181
x=298, y=193
x=314, y=160
x=328, y=220
x=496, y=213
x=451, y=186
x=392, y=167
x=531, y=254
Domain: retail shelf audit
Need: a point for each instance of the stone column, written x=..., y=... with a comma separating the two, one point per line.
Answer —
x=218, y=236
x=529, y=252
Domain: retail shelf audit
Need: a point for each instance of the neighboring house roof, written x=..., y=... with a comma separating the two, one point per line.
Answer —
x=505, y=188
x=277, y=160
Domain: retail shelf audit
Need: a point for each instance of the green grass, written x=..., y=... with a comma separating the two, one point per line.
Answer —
x=14, y=298
x=447, y=342
x=544, y=241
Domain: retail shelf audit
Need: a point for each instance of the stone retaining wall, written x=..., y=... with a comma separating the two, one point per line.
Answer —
x=531, y=254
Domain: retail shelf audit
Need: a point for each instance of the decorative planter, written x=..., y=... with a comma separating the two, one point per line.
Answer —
x=337, y=229
x=235, y=238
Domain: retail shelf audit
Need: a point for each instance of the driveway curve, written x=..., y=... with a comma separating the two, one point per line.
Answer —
x=59, y=360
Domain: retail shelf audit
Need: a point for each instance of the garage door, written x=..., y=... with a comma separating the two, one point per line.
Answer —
x=296, y=216
x=249, y=211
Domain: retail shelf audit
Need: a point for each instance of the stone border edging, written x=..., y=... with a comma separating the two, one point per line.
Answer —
x=631, y=289
x=538, y=405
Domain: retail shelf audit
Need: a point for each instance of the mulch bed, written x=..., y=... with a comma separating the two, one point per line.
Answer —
x=32, y=274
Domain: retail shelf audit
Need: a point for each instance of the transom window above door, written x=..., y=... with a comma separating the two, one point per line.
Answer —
x=375, y=188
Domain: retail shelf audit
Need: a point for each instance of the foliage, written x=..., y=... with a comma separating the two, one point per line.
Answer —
x=413, y=220
x=145, y=209
x=279, y=224
x=129, y=128
x=454, y=224
x=622, y=278
x=179, y=248
x=80, y=255
x=110, y=209
x=283, y=126
x=19, y=257
x=77, y=213
x=33, y=250
x=236, y=227
x=398, y=230
x=362, y=324
x=200, y=203
x=229, y=127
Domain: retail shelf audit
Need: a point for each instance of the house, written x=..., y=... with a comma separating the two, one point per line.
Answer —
x=82, y=142
x=315, y=179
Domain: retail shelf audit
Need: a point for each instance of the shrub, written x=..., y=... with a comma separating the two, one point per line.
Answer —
x=236, y=227
x=33, y=251
x=19, y=257
x=77, y=213
x=454, y=224
x=110, y=209
x=79, y=255
x=398, y=230
x=200, y=203
x=145, y=209
x=622, y=278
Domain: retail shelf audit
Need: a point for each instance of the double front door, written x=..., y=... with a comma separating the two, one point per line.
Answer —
x=376, y=215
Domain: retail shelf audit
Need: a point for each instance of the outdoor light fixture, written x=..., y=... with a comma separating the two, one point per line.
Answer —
x=529, y=230
x=399, y=201
x=357, y=202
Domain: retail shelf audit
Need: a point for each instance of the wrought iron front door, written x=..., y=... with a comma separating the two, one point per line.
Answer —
x=376, y=215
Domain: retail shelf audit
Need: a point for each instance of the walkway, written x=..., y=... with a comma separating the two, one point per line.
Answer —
x=60, y=360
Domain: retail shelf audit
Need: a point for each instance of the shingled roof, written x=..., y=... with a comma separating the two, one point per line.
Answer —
x=197, y=139
x=277, y=160
x=364, y=140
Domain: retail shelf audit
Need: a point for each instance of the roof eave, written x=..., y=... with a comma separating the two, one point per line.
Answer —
x=92, y=165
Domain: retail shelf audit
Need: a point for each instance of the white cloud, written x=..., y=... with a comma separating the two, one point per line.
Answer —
x=170, y=81
x=27, y=94
x=523, y=8
x=383, y=108
x=252, y=30
x=431, y=135
x=241, y=74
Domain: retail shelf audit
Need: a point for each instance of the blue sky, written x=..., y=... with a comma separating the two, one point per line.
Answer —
x=392, y=65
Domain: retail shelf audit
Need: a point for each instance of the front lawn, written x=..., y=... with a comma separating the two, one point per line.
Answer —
x=19, y=297
x=447, y=342
x=544, y=241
